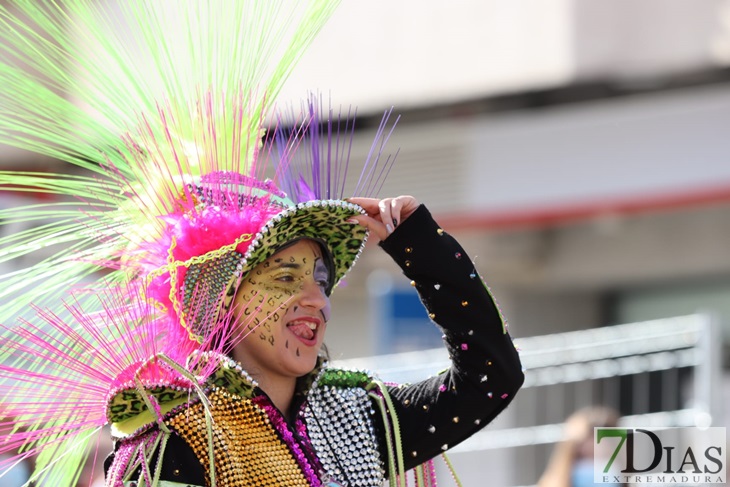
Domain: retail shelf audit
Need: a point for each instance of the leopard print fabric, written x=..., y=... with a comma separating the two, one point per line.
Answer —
x=322, y=221
x=128, y=403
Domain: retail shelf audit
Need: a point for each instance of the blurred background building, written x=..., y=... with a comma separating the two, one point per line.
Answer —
x=579, y=150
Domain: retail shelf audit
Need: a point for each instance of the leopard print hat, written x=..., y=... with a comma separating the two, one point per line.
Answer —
x=227, y=225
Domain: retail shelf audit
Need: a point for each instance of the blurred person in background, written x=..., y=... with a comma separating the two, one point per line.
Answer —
x=571, y=463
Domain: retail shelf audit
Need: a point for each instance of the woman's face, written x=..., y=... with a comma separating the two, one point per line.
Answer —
x=286, y=297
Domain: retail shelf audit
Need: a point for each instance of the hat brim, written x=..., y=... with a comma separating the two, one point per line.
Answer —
x=323, y=221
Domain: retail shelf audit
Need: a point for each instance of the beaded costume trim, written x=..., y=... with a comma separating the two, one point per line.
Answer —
x=247, y=449
x=332, y=442
x=340, y=422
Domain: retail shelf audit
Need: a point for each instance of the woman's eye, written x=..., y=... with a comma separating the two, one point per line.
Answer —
x=322, y=279
x=285, y=278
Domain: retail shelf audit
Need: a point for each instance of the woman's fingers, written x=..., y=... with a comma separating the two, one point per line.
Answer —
x=375, y=227
x=402, y=207
x=386, y=214
x=370, y=205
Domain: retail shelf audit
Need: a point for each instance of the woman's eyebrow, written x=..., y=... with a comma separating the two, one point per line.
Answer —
x=284, y=265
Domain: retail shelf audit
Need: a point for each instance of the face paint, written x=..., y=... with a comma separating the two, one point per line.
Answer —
x=286, y=293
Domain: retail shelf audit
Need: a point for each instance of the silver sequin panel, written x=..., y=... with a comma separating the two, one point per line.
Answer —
x=340, y=426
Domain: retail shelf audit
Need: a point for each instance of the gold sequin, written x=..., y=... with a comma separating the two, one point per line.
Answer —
x=440, y=231
x=409, y=250
x=251, y=452
x=413, y=283
x=455, y=419
x=408, y=263
x=465, y=303
x=431, y=315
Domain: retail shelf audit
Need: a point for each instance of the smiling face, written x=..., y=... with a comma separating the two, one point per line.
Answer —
x=286, y=295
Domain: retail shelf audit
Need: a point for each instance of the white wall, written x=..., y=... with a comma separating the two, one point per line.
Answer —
x=419, y=52
x=636, y=147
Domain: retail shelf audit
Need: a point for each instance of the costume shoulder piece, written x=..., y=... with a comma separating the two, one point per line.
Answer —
x=134, y=409
x=343, y=378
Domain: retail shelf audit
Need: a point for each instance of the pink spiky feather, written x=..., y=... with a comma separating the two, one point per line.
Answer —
x=172, y=93
x=61, y=371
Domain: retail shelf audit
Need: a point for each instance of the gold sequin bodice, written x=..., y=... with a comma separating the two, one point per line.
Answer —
x=246, y=447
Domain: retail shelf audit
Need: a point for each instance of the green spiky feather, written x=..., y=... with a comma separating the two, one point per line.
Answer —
x=129, y=95
x=132, y=86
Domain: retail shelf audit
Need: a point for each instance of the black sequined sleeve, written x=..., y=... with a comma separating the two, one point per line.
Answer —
x=485, y=374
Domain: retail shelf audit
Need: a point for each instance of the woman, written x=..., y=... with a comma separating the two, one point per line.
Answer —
x=280, y=416
x=209, y=372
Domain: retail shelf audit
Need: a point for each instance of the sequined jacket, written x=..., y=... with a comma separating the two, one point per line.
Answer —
x=350, y=428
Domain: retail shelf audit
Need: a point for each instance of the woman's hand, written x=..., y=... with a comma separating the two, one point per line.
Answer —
x=384, y=215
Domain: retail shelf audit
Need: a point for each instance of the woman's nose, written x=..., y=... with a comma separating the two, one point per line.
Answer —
x=313, y=296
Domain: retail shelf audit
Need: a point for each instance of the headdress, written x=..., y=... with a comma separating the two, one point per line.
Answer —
x=164, y=110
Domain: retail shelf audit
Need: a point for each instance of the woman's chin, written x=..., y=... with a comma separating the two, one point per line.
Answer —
x=304, y=362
